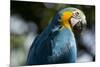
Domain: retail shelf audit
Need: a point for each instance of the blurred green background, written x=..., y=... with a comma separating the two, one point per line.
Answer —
x=28, y=19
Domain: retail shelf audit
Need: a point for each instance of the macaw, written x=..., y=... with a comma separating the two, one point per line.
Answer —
x=56, y=44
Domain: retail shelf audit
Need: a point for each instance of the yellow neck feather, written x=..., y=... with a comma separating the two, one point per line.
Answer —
x=65, y=20
x=66, y=25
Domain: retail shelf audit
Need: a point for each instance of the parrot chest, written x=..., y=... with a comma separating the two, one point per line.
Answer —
x=61, y=45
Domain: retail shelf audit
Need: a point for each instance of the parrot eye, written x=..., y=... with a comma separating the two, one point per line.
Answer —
x=76, y=15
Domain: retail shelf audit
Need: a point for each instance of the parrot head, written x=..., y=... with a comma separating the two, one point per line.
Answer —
x=71, y=18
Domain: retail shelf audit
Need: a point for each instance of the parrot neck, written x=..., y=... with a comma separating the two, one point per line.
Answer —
x=65, y=19
x=66, y=25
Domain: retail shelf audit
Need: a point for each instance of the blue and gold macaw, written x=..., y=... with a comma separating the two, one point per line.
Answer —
x=56, y=44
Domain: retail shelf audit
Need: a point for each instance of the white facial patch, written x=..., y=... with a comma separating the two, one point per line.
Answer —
x=74, y=21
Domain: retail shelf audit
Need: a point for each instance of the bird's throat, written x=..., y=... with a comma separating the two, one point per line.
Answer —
x=66, y=24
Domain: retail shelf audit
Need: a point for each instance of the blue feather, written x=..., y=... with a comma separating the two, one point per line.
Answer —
x=53, y=46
